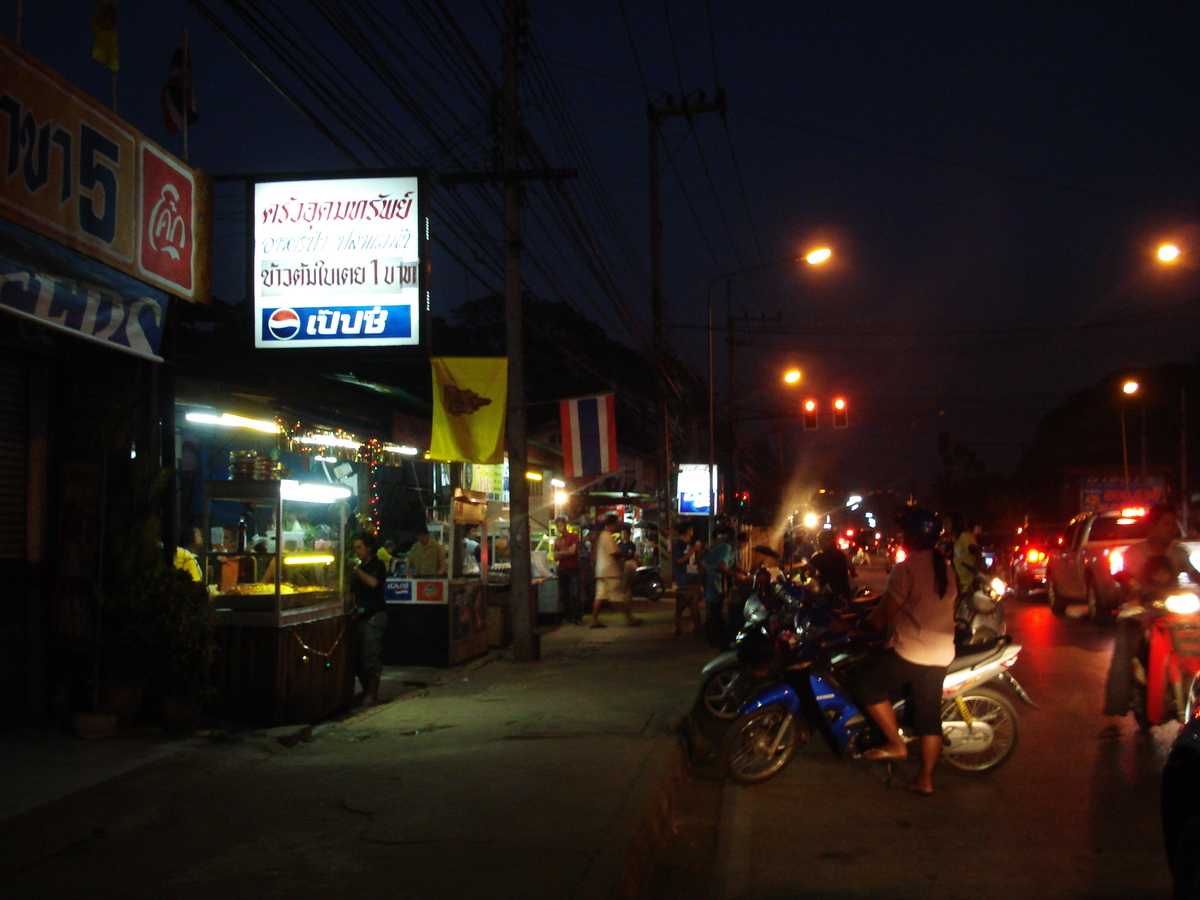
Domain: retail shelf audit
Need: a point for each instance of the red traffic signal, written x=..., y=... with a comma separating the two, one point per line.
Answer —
x=839, y=413
x=810, y=415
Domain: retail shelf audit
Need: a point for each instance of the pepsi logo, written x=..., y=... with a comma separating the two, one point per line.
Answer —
x=283, y=324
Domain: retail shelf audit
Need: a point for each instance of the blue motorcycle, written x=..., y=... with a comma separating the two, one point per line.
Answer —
x=979, y=721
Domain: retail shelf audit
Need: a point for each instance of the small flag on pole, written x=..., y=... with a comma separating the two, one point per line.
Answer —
x=104, y=27
x=178, y=100
x=589, y=435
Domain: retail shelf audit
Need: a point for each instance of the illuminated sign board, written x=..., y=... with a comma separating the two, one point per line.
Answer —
x=338, y=262
x=77, y=174
x=693, y=491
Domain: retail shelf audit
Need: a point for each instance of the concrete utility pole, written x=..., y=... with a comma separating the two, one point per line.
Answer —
x=655, y=116
x=526, y=645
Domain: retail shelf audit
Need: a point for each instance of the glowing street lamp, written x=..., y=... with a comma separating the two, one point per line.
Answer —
x=1168, y=253
x=1129, y=388
x=813, y=258
x=792, y=377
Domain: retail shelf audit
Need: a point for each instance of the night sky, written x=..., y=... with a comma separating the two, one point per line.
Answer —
x=993, y=180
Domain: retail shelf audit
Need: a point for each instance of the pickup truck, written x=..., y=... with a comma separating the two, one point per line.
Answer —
x=1082, y=565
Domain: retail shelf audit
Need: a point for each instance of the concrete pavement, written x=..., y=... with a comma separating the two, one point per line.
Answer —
x=498, y=779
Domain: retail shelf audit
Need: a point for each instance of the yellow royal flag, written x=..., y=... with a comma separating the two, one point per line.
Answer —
x=470, y=401
x=104, y=27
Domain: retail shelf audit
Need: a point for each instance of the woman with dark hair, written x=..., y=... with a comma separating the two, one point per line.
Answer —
x=917, y=609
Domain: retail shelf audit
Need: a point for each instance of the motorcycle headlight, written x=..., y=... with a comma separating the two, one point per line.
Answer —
x=1184, y=604
x=999, y=587
x=755, y=611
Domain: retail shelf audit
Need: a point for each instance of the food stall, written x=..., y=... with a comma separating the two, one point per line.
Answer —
x=442, y=620
x=273, y=559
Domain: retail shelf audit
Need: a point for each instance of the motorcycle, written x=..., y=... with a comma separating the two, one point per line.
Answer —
x=763, y=642
x=1169, y=661
x=647, y=583
x=979, y=721
x=980, y=611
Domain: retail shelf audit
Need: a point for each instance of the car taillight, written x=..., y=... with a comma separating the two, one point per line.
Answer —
x=901, y=555
x=1116, y=560
x=1035, y=555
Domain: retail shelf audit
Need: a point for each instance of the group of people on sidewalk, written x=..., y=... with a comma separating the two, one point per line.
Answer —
x=612, y=563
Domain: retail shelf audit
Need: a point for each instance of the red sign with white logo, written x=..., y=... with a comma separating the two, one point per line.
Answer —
x=167, y=245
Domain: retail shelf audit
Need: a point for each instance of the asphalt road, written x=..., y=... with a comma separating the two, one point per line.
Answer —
x=1067, y=816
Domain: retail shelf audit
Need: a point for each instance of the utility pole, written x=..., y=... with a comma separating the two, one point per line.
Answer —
x=655, y=117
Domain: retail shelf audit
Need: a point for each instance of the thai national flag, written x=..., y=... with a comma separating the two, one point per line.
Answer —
x=589, y=435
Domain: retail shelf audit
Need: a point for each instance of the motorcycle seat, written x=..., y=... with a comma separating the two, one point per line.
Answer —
x=967, y=655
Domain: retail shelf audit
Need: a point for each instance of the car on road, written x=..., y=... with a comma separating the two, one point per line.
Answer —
x=1029, y=551
x=1083, y=565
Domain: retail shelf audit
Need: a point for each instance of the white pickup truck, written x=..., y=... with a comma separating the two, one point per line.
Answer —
x=1083, y=564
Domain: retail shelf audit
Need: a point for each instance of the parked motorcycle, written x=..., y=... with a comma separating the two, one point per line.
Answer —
x=764, y=643
x=647, y=583
x=979, y=720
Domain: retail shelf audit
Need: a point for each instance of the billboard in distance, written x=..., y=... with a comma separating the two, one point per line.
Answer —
x=338, y=262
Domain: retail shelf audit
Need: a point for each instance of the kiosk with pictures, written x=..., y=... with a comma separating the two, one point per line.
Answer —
x=274, y=560
x=442, y=620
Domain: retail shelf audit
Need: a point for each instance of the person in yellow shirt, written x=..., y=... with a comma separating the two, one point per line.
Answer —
x=185, y=553
x=426, y=557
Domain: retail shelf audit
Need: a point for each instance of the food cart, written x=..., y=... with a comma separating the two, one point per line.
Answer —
x=274, y=561
x=442, y=620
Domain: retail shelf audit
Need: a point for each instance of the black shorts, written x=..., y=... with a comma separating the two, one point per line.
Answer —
x=883, y=676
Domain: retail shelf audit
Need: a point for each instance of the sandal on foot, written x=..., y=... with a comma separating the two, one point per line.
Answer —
x=883, y=753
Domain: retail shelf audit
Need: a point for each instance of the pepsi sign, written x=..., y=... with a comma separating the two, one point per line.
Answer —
x=338, y=262
x=337, y=326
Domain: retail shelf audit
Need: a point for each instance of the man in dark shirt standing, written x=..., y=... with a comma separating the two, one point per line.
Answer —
x=367, y=587
x=834, y=569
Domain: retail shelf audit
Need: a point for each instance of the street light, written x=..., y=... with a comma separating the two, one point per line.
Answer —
x=1129, y=388
x=813, y=258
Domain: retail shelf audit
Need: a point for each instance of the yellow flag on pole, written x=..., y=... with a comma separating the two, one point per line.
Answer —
x=104, y=27
x=470, y=402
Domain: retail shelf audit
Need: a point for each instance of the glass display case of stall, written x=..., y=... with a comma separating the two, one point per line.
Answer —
x=274, y=546
x=274, y=562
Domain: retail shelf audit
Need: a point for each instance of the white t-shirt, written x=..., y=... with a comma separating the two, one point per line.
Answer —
x=922, y=631
x=607, y=565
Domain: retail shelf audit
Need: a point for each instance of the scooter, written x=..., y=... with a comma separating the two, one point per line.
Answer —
x=979, y=721
x=765, y=641
x=647, y=583
x=980, y=611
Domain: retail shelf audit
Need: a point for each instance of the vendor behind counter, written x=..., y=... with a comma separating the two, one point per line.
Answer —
x=426, y=558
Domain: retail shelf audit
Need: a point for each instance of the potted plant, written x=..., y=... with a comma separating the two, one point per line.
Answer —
x=183, y=628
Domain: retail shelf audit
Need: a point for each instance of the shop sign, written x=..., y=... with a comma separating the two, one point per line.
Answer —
x=398, y=590
x=694, y=491
x=76, y=173
x=1103, y=492
x=338, y=262
x=126, y=315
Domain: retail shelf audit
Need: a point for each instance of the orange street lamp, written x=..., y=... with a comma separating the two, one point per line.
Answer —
x=792, y=377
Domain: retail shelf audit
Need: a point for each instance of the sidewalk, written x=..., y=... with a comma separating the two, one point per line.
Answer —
x=495, y=779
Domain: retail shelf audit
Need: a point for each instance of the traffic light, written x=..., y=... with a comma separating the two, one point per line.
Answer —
x=742, y=499
x=839, y=412
x=810, y=415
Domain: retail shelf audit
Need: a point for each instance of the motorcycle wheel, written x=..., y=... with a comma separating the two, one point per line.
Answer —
x=761, y=743
x=722, y=694
x=986, y=705
x=653, y=589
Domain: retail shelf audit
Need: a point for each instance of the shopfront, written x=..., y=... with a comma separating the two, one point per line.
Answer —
x=92, y=268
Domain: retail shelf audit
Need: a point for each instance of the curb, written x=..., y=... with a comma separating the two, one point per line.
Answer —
x=641, y=828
